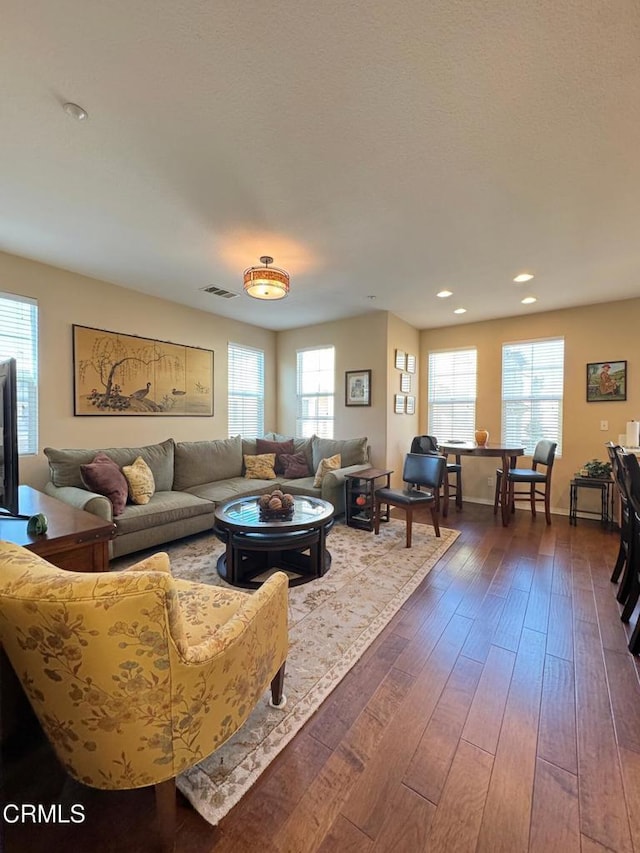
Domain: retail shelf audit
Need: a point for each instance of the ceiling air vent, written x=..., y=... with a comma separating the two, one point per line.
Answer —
x=218, y=291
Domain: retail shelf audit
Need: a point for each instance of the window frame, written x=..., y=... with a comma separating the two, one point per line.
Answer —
x=246, y=427
x=19, y=339
x=321, y=425
x=461, y=427
x=555, y=399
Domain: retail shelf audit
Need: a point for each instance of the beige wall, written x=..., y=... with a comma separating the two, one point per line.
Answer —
x=400, y=428
x=65, y=298
x=592, y=333
x=360, y=344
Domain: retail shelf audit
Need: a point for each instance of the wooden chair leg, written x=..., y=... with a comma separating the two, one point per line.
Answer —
x=496, y=497
x=166, y=814
x=434, y=519
x=445, y=489
x=547, y=503
x=377, y=509
x=458, y=489
x=277, y=685
x=532, y=499
x=409, y=515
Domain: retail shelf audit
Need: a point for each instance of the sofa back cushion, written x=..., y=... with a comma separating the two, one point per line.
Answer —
x=200, y=462
x=353, y=451
x=300, y=445
x=64, y=465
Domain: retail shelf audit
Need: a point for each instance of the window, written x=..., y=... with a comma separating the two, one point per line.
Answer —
x=532, y=386
x=19, y=340
x=452, y=394
x=246, y=391
x=315, y=392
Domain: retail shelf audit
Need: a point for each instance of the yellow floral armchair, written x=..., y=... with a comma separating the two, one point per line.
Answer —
x=135, y=675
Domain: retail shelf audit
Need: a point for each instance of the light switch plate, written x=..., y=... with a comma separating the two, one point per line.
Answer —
x=604, y=425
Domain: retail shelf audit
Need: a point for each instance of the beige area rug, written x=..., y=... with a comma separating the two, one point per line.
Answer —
x=331, y=622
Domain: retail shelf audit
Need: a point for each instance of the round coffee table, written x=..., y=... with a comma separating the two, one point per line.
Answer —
x=253, y=547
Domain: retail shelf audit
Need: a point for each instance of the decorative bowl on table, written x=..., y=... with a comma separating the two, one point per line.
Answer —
x=275, y=505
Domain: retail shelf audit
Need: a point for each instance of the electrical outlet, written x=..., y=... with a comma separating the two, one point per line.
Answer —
x=490, y=481
x=604, y=425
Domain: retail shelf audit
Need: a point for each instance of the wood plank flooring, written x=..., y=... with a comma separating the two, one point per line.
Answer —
x=498, y=711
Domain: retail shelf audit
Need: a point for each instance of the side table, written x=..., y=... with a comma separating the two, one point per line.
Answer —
x=359, y=502
x=606, y=499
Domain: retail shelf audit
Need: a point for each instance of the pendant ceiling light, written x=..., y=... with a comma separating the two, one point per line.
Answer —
x=266, y=282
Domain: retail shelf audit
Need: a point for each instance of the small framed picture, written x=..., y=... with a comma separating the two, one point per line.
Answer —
x=411, y=363
x=405, y=383
x=411, y=405
x=401, y=359
x=399, y=404
x=357, y=388
x=606, y=381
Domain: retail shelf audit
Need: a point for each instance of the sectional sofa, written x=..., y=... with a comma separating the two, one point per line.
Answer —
x=191, y=478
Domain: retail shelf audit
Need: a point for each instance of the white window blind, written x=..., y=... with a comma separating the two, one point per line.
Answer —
x=452, y=394
x=19, y=340
x=315, y=392
x=246, y=391
x=532, y=389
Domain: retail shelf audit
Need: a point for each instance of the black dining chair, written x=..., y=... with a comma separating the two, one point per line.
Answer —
x=619, y=478
x=428, y=444
x=419, y=470
x=629, y=588
x=538, y=482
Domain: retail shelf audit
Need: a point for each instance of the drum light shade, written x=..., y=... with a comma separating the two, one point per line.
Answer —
x=266, y=282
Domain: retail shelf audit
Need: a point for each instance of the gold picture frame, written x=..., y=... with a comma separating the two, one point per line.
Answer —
x=125, y=375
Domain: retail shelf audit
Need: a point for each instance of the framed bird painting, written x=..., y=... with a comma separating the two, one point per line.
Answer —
x=117, y=374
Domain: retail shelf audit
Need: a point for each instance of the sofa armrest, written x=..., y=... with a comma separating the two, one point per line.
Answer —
x=82, y=499
x=333, y=485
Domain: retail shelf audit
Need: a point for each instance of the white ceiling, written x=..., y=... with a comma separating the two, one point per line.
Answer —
x=373, y=148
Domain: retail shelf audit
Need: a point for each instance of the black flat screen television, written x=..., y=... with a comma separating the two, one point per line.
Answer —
x=8, y=438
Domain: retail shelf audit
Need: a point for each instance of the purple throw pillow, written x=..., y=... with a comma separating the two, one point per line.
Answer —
x=295, y=465
x=264, y=445
x=105, y=477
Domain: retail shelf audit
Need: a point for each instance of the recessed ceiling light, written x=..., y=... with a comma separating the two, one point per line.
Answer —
x=528, y=300
x=444, y=293
x=75, y=111
x=460, y=311
x=525, y=276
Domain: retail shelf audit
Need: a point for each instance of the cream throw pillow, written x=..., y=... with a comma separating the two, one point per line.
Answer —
x=260, y=467
x=330, y=464
x=140, y=479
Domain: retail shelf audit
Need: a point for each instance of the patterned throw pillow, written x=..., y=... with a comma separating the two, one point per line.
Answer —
x=260, y=467
x=104, y=477
x=294, y=465
x=140, y=479
x=326, y=465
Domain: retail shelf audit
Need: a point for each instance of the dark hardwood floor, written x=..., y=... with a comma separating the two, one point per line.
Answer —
x=498, y=711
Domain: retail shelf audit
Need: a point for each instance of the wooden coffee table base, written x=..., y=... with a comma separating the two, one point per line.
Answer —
x=249, y=555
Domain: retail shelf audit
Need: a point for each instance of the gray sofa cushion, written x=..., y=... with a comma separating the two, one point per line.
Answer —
x=200, y=462
x=353, y=451
x=163, y=508
x=235, y=487
x=64, y=464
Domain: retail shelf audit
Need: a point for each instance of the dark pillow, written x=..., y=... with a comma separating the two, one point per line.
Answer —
x=264, y=445
x=105, y=477
x=294, y=465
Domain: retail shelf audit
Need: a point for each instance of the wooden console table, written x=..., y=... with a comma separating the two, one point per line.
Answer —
x=75, y=540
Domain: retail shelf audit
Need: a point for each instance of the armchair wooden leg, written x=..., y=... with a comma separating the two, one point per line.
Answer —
x=166, y=814
x=277, y=685
x=434, y=520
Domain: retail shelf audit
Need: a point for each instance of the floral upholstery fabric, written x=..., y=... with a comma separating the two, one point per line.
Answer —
x=136, y=676
x=139, y=476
